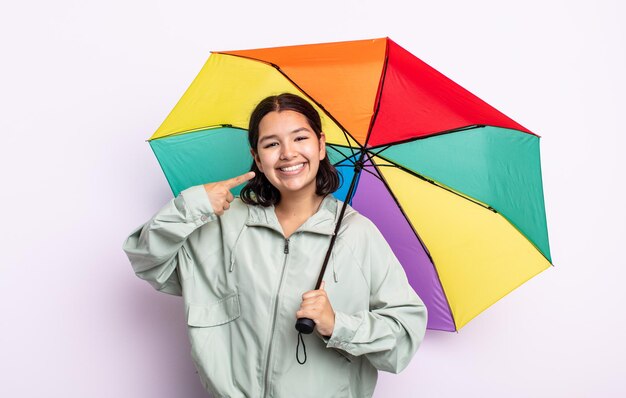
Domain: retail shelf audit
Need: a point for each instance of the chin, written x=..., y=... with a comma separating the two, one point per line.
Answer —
x=297, y=188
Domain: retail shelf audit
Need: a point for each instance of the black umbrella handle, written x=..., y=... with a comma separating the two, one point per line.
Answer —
x=306, y=325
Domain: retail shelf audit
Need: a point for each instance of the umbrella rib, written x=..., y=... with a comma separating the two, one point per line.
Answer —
x=379, y=94
x=297, y=86
x=212, y=126
x=351, y=162
x=364, y=168
x=454, y=130
x=377, y=153
x=462, y=196
x=419, y=239
x=368, y=171
x=339, y=152
x=424, y=178
x=345, y=134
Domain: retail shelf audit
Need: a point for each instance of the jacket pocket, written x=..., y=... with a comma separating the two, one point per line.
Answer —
x=210, y=329
x=218, y=313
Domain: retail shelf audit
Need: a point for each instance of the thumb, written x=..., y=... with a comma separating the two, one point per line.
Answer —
x=322, y=286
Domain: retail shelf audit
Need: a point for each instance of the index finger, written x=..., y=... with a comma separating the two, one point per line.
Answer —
x=233, y=182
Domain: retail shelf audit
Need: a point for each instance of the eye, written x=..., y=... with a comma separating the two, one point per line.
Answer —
x=302, y=137
x=271, y=144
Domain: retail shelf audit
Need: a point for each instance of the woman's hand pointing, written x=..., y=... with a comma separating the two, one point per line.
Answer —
x=219, y=192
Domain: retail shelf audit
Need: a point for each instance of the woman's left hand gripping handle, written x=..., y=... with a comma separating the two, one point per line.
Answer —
x=219, y=192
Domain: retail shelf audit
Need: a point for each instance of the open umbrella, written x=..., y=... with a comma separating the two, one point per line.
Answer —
x=453, y=184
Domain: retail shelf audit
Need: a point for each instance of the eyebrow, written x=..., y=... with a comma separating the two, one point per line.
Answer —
x=267, y=137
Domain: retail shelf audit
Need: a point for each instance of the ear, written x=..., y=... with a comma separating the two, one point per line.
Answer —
x=255, y=156
x=322, y=145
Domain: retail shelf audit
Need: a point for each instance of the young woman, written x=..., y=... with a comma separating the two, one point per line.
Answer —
x=246, y=266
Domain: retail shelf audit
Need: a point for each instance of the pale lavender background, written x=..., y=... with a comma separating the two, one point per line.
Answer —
x=84, y=83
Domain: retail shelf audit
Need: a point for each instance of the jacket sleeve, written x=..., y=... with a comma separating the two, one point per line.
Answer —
x=391, y=331
x=155, y=248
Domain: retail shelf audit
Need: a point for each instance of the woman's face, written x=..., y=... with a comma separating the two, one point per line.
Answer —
x=289, y=152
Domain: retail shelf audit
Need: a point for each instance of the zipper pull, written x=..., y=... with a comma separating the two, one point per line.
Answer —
x=286, y=251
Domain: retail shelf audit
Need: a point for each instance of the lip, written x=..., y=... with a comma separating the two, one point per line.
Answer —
x=278, y=169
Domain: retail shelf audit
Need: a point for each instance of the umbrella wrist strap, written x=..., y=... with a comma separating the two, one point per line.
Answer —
x=300, y=338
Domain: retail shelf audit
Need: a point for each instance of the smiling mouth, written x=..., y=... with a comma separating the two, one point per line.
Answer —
x=292, y=168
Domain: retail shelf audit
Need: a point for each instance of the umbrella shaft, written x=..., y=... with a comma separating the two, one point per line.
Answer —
x=358, y=166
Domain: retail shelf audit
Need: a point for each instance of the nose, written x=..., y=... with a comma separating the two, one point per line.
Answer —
x=287, y=151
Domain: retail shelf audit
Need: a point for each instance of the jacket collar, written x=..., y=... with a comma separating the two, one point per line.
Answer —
x=322, y=222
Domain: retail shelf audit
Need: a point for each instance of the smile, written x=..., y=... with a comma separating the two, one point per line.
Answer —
x=292, y=168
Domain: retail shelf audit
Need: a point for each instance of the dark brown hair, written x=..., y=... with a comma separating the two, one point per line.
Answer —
x=259, y=190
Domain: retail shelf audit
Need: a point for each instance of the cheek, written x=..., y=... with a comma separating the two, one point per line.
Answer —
x=317, y=154
x=266, y=161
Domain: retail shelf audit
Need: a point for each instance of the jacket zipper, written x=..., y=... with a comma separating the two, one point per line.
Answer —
x=269, y=350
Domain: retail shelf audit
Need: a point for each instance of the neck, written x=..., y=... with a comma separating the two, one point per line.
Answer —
x=299, y=204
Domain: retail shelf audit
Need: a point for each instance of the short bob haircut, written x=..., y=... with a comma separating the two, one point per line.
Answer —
x=259, y=190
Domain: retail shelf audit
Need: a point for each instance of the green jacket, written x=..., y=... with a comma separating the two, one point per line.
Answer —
x=242, y=283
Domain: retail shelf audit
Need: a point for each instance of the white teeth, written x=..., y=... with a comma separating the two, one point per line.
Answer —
x=293, y=168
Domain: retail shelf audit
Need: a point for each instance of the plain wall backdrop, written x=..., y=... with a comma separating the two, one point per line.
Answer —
x=83, y=84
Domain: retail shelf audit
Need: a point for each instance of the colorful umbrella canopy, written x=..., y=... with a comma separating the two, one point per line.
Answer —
x=453, y=184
